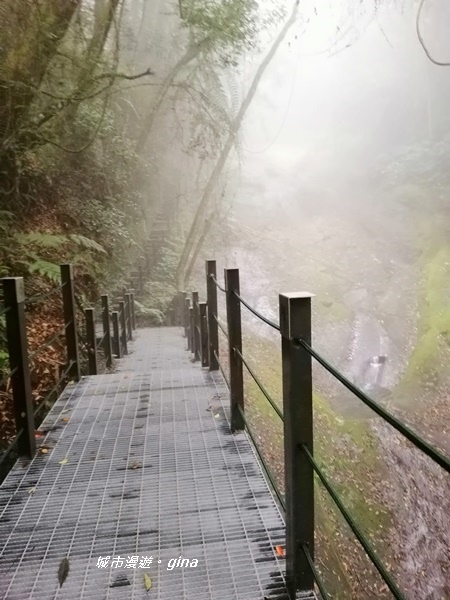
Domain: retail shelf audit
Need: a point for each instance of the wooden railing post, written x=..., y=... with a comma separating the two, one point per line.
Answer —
x=203, y=334
x=116, y=334
x=89, y=315
x=107, y=347
x=187, y=303
x=295, y=323
x=196, y=349
x=213, y=329
x=129, y=324
x=16, y=336
x=123, y=327
x=141, y=279
x=234, y=341
x=191, y=329
x=70, y=321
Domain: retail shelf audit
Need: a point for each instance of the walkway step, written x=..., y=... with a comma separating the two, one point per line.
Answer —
x=141, y=463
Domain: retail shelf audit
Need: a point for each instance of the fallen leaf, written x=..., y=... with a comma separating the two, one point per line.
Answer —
x=279, y=550
x=65, y=410
x=63, y=570
x=217, y=416
x=64, y=461
x=44, y=450
x=147, y=582
x=32, y=490
x=65, y=419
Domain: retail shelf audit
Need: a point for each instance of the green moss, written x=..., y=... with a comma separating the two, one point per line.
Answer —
x=434, y=317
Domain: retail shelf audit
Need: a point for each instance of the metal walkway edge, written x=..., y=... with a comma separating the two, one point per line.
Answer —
x=142, y=463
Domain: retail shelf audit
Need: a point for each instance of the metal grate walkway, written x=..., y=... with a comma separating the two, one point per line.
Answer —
x=149, y=469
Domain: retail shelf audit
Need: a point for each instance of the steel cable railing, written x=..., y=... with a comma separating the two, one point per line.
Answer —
x=385, y=575
x=415, y=439
x=263, y=461
x=5, y=379
x=48, y=342
x=11, y=446
x=317, y=577
x=222, y=289
x=54, y=389
x=39, y=298
x=260, y=385
x=222, y=370
x=221, y=327
x=256, y=313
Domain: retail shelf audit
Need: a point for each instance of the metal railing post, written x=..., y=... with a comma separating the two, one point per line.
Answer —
x=181, y=310
x=16, y=336
x=213, y=329
x=129, y=324
x=141, y=279
x=70, y=321
x=234, y=341
x=295, y=323
x=107, y=348
x=187, y=325
x=203, y=334
x=196, y=349
x=133, y=310
x=191, y=329
x=91, y=340
x=123, y=327
x=116, y=334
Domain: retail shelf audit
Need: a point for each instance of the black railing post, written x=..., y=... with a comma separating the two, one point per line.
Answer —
x=213, y=329
x=181, y=309
x=203, y=334
x=16, y=336
x=70, y=321
x=191, y=329
x=116, y=334
x=129, y=323
x=133, y=311
x=295, y=323
x=196, y=326
x=187, y=304
x=234, y=341
x=123, y=327
x=89, y=315
x=141, y=279
x=107, y=348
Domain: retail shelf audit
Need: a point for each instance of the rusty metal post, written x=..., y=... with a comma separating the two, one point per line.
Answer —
x=16, y=337
x=70, y=321
x=116, y=334
x=213, y=329
x=203, y=334
x=91, y=340
x=295, y=323
x=123, y=327
x=234, y=342
x=196, y=326
x=107, y=347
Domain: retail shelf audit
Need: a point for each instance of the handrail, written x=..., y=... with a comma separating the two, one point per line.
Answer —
x=358, y=533
x=256, y=313
x=263, y=462
x=39, y=298
x=10, y=374
x=260, y=385
x=222, y=370
x=317, y=577
x=10, y=446
x=221, y=327
x=415, y=439
x=222, y=289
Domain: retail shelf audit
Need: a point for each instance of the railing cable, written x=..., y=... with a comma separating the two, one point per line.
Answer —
x=386, y=576
x=256, y=313
x=222, y=370
x=260, y=385
x=221, y=327
x=419, y=442
x=317, y=578
x=222, y=289
x=10, y=447
x=39, y=298
x=263, y=462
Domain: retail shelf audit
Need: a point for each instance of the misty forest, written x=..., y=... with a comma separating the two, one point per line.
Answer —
x=306, y=143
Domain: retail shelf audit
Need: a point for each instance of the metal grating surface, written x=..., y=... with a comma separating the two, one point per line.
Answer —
x=150, y=471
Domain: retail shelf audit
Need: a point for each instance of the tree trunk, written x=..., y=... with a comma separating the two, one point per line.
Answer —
x=234, y=128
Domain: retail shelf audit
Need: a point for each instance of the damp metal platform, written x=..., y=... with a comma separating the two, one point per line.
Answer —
x=142, y=463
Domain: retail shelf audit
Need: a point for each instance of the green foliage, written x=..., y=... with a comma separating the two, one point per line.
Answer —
x=227, y=28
